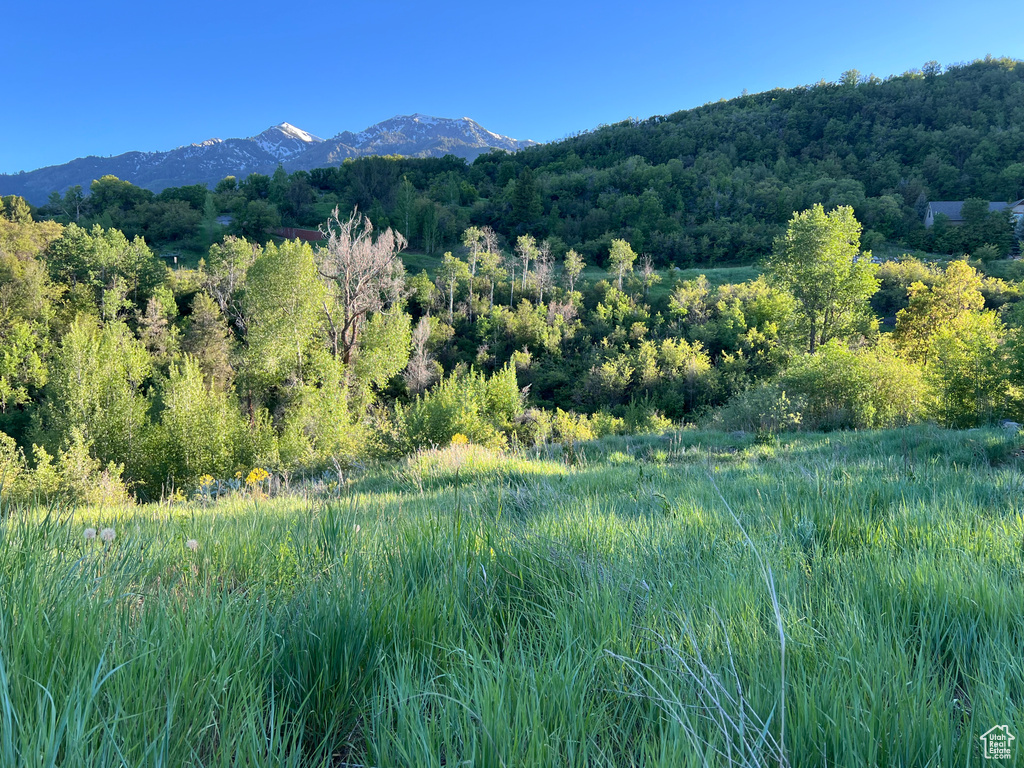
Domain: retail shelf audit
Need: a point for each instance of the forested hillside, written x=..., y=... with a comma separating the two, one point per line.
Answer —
x=709, y=185
x=719, y=182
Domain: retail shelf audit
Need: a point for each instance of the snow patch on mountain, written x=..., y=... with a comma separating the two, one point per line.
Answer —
x=297, y=133
x=420, y=135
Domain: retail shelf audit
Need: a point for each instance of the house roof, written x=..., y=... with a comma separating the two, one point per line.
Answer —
x=951, y=208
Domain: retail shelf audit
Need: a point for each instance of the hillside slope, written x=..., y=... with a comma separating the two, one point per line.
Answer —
x=720, y=181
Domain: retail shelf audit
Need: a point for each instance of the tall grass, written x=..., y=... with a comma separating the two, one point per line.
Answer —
x=687, y=600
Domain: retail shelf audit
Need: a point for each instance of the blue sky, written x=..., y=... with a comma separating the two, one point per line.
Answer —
x=109, y=77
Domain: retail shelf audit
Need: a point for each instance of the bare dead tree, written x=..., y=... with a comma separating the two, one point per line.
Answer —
x=526, y=250
x=566, y=309
x=364, y=274
x=543, y=273
x=511, y=261
x=490, y=239
x=422, y=370
x=648, y=274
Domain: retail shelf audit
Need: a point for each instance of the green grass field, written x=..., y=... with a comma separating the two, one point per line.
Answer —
x=689, y=599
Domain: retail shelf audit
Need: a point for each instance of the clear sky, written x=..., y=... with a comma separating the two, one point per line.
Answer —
x=104, y=78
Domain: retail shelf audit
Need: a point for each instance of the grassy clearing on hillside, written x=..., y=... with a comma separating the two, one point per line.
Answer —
x=611, y=604
x=415, y=262
x=669, y=277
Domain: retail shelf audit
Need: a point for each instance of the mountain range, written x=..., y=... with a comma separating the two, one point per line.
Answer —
x=210, y=161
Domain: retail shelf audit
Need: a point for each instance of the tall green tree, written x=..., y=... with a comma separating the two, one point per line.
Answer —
x=111, y=197
x=967, y=369
x=526, y=250
x=201, y=429
x=946, y=303
x=69, y=207
x=819, y=261
x=405, y=208
x=473, y=242
x=526, y=203
x=26, y=310
x=450, y=274
x=224, y=271
x=208, y=339
x=283, y=303
x=621, y=259
x=256, y=218
x=573, y=268
x=491, y=269
x=99, y=258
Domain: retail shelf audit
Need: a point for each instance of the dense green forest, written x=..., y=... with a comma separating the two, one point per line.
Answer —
x=558, y=311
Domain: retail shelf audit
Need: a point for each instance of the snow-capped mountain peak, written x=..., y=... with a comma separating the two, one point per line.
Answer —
x=285, y=140
x=297, y=133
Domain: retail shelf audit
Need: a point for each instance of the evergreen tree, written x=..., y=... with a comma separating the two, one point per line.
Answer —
x=526, y=203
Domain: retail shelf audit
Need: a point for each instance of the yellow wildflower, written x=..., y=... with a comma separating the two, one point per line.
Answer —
x=257, y=476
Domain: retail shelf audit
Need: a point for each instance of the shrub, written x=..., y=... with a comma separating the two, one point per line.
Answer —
x=642, y=418
x=13, y=469
x=84, y=479
x=571, y=427
x=200, y=429
x=533, y=427
x=78, y=475
x=318, y=429
x=603, y=424
x=467, y=403
x=765, y=408
x=842, y=388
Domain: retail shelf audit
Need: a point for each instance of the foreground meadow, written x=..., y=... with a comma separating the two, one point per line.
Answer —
x=692, y=599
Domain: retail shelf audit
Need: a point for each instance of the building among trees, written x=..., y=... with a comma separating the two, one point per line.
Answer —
x=953, y=211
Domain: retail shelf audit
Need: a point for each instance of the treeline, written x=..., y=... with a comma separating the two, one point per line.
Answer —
x=120, y=376
x=704, y=186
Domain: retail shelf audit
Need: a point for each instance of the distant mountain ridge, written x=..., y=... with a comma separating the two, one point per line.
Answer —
x=412, y=136
x=211, y=160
